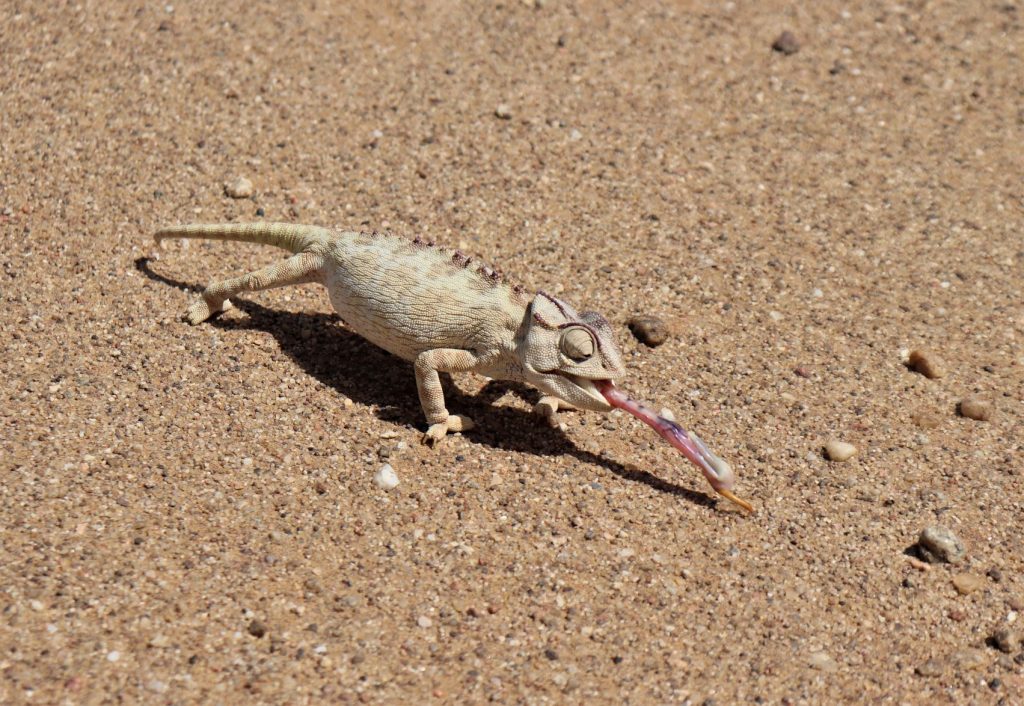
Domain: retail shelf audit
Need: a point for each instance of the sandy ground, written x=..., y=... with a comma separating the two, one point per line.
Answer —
x=188, y=513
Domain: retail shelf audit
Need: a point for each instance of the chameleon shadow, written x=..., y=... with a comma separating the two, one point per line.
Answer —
x=326, y=350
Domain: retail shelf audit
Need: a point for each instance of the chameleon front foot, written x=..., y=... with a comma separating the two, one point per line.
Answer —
x=455, y=422
x=201, y=310
x=548, y=409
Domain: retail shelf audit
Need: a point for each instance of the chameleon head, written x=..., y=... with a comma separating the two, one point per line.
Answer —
x=563, y=353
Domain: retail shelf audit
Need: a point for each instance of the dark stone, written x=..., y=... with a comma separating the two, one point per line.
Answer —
x=649, y=330
x=257, y=629
x=786, y=43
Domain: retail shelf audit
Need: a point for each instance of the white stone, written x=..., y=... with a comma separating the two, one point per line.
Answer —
x=240, y=188
x=386, y=477
x=840, y=450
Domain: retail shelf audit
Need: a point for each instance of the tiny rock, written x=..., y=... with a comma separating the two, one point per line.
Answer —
x=1006, y=640
x=976, y=407
x=927, y=418
x=822, y=661
x=424, y=622
x=386, y=477
x=503, y=112
x=786, y=43
x=931, y=668
x=966, y=584
x=257, y=629
x=926, y=363
x=937, y=544
x=970, y=658
x=649, y=330
x=839, y=450
x=240, y=188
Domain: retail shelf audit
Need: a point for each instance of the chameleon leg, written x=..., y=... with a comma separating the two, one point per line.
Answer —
x=427, y=366
x=548, y=408
x=298, y=269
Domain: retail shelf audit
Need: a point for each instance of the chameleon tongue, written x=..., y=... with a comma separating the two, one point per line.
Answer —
x=717, y=471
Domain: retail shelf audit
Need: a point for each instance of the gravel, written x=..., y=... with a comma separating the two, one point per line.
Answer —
x=786, y=43
x=240, y=188
x=939, y=544
x=926, y=363
x=927, y=418
x=969, y=659
x=649, y=330
x=976, y=407
x=386, y=478
x=966, y=584
x=1006, y=640
x=839, y=450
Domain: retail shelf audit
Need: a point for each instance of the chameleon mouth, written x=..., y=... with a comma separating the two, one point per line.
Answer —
x=590, y=388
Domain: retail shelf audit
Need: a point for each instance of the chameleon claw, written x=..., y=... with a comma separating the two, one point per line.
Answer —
x=455, y=423
x=202, y=310
x=548, y=409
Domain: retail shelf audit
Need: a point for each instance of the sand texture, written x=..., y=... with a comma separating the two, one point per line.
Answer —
x=198, y=514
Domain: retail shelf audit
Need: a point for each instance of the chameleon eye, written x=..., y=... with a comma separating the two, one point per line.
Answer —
x=577, y=344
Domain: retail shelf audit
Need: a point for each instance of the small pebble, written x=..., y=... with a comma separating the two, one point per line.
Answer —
x=937, y=544
x=113, y=656
x=786, y=43
x=1006, y=640
x=503, y=112
x=970, y=658
x=839, y=450
x=649, y=330
x=240, y=188
x=257, y=629
x=927, y=418
x=931, y=668
x=966, y=584
x=926, y=363
x=918, y=564
x=424, y=622
x=976, y=407
x=822, y=661
x=386, y=477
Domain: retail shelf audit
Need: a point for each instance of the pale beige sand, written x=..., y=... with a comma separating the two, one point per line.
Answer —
x=166, y=486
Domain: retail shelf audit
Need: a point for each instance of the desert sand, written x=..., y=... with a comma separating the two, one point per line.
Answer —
x=188, y=514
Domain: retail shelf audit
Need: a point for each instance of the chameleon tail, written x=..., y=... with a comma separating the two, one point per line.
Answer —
x=290, y=236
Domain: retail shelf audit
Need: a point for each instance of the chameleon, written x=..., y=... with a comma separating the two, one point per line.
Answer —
x=446, y=313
